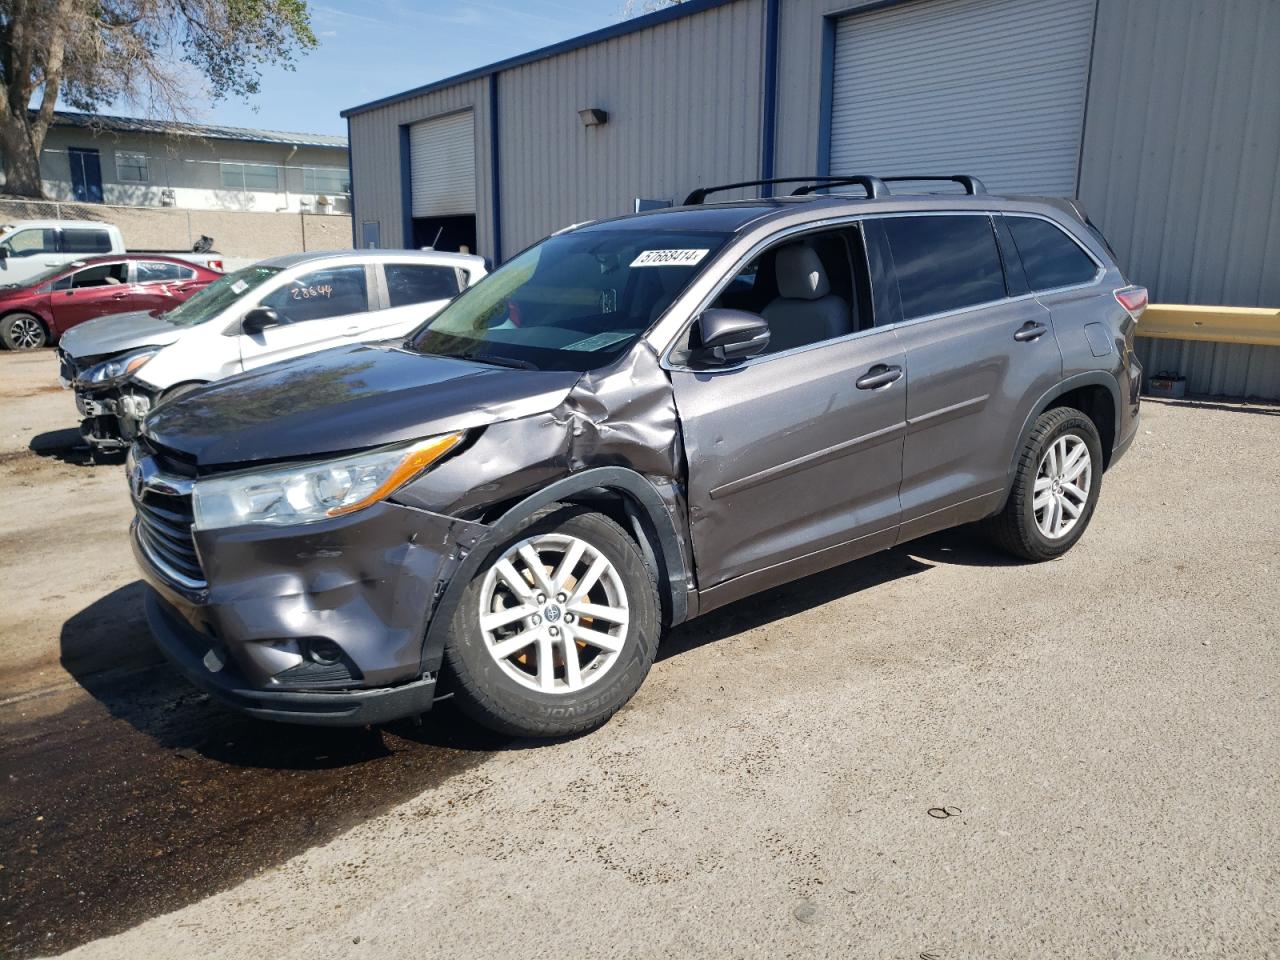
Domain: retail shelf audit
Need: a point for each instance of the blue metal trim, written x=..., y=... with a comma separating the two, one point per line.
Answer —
x=826, y=95
x=686, y=9
x=769, y=113
x=406, y=191
x=351, y=196
x=495, y=174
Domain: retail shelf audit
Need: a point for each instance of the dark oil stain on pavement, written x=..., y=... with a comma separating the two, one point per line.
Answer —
x=149, y=797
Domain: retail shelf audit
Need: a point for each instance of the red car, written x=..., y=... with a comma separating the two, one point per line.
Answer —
x=39, y=312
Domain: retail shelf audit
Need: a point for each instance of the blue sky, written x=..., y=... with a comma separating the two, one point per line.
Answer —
x=377, y=47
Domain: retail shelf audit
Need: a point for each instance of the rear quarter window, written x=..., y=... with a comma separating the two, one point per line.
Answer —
x=944, y=263
x=1050, y=258
x=157, y=272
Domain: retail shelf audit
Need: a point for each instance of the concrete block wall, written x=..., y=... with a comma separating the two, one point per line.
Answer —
x=238, y=235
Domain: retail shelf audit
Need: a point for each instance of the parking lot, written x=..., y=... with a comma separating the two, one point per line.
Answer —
x=933, y=751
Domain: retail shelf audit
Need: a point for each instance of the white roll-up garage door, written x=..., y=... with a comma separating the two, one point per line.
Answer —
x=994, y=88
x=442, y=161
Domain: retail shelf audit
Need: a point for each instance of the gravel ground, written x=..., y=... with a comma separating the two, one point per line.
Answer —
x=1103, y=728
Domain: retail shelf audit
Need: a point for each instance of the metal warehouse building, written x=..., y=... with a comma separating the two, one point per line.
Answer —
x=1162, y=116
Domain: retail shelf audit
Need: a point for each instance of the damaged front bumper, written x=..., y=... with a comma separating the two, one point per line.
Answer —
x=320, y=623
x=111, y=418
x=111, y=413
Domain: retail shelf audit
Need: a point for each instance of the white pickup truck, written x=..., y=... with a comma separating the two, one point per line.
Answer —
x=30, y=247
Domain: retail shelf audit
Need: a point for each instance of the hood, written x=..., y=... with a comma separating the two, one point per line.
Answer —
x=119, y=332
x=344, y=399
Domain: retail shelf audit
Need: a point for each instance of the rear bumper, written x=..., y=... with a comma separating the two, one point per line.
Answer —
x=1123, y=445
x=205, y=662
x=1130, y=409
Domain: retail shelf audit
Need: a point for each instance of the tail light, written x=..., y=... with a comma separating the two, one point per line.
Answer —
x=217, y=265
x=1133, y=299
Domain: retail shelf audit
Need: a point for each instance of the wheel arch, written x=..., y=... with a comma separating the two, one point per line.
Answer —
x=168, y=392
x=1096, y=394
x=619, y=493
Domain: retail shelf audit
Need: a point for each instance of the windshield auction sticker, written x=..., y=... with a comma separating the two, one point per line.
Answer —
x=669, y=258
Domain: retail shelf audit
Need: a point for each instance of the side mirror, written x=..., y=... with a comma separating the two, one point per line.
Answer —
x=258, y=319
x=728, y=336
x=4, y=253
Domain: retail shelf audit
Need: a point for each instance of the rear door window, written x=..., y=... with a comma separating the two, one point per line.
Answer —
x=1050, y=258
x=85, y=241
x=319, y=294
x=944, y=263
x=410, y=283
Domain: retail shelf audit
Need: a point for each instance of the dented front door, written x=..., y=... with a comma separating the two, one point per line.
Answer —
x=795, y=460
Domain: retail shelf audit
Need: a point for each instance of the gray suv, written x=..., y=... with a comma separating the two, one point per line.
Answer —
x=629, y=424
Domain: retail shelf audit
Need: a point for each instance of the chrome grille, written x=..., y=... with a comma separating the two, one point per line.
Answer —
x=162, y=503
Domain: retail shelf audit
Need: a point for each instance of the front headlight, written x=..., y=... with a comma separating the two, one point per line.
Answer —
x=304, y=493
x=117, y=368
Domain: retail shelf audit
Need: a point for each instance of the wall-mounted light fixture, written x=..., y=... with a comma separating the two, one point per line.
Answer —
x=593, y=116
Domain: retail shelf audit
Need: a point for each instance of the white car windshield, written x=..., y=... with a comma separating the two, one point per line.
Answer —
x=219, y=295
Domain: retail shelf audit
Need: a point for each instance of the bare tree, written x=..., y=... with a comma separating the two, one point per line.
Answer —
x=636, y=8
x=155, y=54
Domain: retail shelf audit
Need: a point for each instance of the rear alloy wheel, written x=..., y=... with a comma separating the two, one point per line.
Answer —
x=1055, y=489
x=23, y=331
x=1063, y=481
x=558, y=629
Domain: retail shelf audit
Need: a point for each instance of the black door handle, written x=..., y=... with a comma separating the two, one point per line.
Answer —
x=1030, y=331
x=881, y=375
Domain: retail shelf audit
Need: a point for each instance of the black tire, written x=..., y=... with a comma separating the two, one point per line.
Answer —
x=23, y=331
x=1014, y=529
x=489, y=696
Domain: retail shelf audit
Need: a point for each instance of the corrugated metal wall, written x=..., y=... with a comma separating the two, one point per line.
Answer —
x=375, y=159
x=1180, y=168
x=1179, y=160
x=684, y=109
x=800, y=31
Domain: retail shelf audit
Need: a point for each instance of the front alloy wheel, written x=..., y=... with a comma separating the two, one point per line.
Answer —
x=558, y=627
x=22, y=331
x=553, y=612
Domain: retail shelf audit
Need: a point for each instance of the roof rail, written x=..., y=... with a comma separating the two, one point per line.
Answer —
x=972, y=185
x=874, y=187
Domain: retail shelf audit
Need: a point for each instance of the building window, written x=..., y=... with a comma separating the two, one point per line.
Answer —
x=132, y=168
x=250, y=176
x=333, y=180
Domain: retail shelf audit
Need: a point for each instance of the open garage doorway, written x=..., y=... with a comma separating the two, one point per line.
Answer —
x=456, y=234
x=442, y=162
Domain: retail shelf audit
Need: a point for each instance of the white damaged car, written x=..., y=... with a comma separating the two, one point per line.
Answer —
x=122, y=366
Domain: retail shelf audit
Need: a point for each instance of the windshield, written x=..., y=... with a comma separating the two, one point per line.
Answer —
x=573, y=302
x=217, y=296
x=44, y=275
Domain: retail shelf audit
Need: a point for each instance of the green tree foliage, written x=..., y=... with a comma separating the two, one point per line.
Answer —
x=160, y=55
